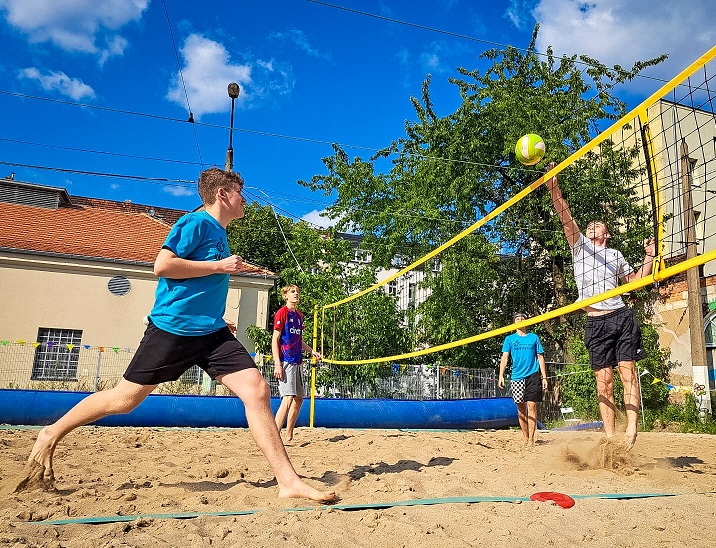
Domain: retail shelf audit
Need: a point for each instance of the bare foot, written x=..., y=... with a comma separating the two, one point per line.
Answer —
x=301, y=490
x=288, y=443
x=629, y=438
x=38, y=469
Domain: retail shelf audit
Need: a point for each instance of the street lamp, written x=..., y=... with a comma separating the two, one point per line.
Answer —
x=234, y=94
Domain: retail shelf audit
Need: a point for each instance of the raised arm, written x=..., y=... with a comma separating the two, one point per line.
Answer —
x=571, y=230
x=646, y=266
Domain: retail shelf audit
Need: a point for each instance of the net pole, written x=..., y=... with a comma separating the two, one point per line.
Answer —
x=313, y=365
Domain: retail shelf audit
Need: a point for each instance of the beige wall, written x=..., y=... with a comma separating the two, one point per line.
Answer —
x=40, y=291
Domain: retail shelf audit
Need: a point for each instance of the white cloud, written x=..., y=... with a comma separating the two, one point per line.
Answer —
x=208, y=70
x=60, y=82
x=619, y=32
x=299, y=38
x=75, y=25
x=179, y=191
x=318, y=218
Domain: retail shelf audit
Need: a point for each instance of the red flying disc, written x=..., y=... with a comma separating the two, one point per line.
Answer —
x=565, y=501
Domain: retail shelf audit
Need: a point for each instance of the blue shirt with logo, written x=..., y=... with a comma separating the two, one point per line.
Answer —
x=193, y=306
x=523, y=350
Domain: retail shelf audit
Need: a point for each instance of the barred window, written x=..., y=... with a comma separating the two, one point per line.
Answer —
x=57, y=354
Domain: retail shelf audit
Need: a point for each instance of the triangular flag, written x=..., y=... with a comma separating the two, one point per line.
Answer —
x=21, y=342
x=656, y=381
x=101, y=348
x=86, y=346
x=36, y=344
x=116, y=349
x=644, y=372
x=670, y=386
x=70, y=346
x=5, y=342
x=50, y=344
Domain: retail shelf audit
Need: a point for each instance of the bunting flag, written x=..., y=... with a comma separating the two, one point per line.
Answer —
x=21, y=342
x=656, y=380
x=70, y=346
x=116, y=349
x=36, y=344
x=5, y=342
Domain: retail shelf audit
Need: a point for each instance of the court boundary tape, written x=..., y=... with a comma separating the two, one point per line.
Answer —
x=345, y=507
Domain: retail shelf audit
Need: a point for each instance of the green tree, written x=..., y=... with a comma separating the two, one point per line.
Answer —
x=448, y=171
x=318, y=262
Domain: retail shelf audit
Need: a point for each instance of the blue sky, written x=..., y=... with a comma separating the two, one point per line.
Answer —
x=96, y=86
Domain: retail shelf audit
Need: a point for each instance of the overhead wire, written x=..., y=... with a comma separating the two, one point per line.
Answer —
x=181, y=76
x=457, y=35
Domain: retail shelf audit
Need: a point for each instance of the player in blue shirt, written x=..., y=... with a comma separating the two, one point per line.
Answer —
x=529, y=375
x=186, y=328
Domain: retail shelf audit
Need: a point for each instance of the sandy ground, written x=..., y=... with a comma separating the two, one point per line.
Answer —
x=148, y=471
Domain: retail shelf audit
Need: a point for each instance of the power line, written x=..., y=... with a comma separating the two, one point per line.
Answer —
x=458, y=35
x=100, y=174
x=181, y=75
x=91, y=151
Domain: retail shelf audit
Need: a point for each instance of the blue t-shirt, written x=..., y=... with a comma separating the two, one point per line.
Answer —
x=523, y=350
x=193, y=306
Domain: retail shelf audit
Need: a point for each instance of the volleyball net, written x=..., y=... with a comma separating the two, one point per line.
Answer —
x=651, y=174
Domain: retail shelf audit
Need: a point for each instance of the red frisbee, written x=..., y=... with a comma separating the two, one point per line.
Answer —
x=565, y=501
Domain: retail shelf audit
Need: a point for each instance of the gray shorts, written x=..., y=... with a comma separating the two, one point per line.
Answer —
x=292, y=385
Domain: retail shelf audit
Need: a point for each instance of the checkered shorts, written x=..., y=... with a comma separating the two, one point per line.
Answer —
x=527, y=389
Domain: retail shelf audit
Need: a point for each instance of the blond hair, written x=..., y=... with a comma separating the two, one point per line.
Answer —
x=285, y=290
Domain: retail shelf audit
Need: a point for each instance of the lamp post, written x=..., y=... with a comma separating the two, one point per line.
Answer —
x=234, y=94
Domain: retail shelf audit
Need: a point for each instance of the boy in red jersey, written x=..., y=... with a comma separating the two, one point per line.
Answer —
x=287, y=346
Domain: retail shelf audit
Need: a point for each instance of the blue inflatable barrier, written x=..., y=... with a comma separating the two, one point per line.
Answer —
x=39, y=407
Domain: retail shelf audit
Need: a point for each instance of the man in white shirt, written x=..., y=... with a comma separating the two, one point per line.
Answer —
x=612, y=335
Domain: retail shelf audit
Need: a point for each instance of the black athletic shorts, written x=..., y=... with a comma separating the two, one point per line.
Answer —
x=612, y=338
x=163, y=357
x=527, y=389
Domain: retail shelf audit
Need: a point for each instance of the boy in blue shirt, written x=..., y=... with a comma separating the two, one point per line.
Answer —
x=529, y=375
x=186, y=327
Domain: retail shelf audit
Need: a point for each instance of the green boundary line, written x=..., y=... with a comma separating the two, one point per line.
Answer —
x=347, y=507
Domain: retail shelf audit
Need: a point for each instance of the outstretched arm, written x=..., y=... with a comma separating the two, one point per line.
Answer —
x=571, y=230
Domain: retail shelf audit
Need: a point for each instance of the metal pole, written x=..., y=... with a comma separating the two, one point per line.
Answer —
x=313, y=364
x=234, y=91
x=641, y=401
x=96, y=374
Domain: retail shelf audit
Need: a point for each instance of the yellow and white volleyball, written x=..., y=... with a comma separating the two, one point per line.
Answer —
x=530, y=149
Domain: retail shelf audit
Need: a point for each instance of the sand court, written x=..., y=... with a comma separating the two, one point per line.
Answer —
x=212, y=487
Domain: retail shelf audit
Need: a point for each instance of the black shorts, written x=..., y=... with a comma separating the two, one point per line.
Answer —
x=612, y=338
x=527, y=389
x=163, y=357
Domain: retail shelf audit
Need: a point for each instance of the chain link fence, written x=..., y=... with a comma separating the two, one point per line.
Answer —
x=84, y=368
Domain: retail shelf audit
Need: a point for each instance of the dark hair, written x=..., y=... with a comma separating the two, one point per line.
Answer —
x=518, y=314
x=212, y=179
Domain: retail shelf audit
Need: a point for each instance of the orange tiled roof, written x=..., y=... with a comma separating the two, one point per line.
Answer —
x=100, y=233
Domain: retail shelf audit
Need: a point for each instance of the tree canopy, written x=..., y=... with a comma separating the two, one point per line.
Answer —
x=448, y=171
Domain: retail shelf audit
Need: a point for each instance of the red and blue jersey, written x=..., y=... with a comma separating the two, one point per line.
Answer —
x=290, y=324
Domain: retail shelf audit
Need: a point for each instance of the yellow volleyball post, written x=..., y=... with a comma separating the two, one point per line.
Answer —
x=313, y=364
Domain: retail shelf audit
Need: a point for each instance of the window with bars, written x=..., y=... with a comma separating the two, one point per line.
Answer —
x=57, y=354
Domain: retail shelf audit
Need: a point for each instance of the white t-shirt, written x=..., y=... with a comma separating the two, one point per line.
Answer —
x=598, y=269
